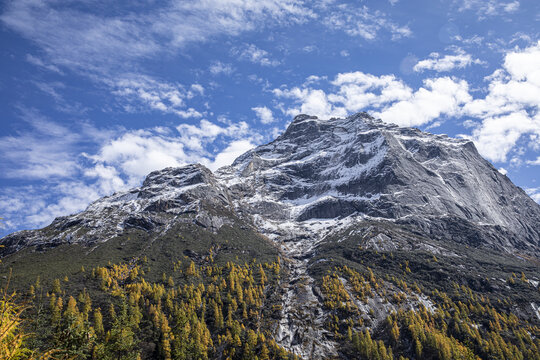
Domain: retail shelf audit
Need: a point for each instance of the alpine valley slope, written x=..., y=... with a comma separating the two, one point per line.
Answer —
x=327, y=196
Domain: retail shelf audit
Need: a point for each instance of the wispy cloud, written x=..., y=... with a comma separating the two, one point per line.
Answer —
x=40, y=63
x=44, y=151
x=89, y=41
x=54, y=89
x=486, y=8
x=101, y=46
x=255, y=55
x=362, y=22
x=221, y=68
x=133, y=89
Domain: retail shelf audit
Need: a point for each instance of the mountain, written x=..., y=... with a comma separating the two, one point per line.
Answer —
x=333, y=199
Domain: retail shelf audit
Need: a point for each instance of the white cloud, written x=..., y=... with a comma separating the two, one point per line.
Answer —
x=310, y=101
x=534, y=193
x=511, y=107
x=486, y=8
x=255, y=55
x=55, y=89
x=158, y=95
x=354, y=91
x=387, y=96
x=101, y=47
x=437, y=63
x=534, y=162
x=507, y=114
x=136, y=153
x=497, y=136
x=264, y=114
x=40, y=63
x=44, y=151
x=220, y=68
x=230, y=153
x=35, y=206
x=87, y=41
x=362, y=22
x=358, y=90
x=309, y=48
x=438, y=97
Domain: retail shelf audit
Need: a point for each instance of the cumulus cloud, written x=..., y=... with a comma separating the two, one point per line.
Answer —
x=435, y=62
x=438, y=97
x=511, y=107
x=498, y=120
x=497, y=136
x=230, y=153
x=309, y=101
x=264, y=114
x=135, y=153
x=387, y=97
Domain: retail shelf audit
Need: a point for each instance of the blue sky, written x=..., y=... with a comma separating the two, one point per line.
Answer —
x=95, y=94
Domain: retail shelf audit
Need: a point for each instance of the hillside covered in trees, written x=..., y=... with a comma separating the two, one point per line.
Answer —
x=230, y=311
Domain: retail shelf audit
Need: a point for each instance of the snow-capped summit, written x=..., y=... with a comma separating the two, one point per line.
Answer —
x=317, y=175
x=360, y=166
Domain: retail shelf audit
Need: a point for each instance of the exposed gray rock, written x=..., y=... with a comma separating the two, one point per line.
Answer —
x=325, y=169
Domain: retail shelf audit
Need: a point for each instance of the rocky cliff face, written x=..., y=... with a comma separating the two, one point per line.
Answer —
x=360, y=167
x=320, y=183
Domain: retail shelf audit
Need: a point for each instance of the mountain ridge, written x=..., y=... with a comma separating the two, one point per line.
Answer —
x=325, y=169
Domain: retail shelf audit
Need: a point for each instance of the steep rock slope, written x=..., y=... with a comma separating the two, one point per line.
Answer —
x=326, y=169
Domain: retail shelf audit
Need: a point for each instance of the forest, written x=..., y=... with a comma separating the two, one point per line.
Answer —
x=211, y=311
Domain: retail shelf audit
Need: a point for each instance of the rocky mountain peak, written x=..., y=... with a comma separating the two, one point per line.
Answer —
x=179, y=176
x=330, y=169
